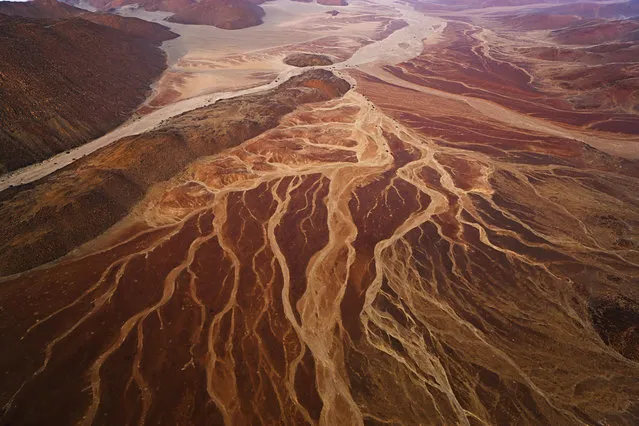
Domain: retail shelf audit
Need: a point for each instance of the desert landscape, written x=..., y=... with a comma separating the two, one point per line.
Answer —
x=319, y=212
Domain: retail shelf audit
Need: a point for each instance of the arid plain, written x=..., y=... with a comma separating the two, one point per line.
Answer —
x=440, y=226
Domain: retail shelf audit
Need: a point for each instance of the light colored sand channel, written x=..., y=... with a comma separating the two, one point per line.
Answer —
x=402, y=45
x=206, y=59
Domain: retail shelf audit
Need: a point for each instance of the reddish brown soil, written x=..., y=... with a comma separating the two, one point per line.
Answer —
x=580, y=94
x=226, y=14
x=437, y=266
x=307, y=60
x=597, y=32
x=116, y=177
x=404, y=253
x=59, y=91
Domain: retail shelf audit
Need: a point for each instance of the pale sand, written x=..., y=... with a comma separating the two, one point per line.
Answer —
x=402, y=45
x=201, y=60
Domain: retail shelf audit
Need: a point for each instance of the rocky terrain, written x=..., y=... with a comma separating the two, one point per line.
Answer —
x=580, y=71
x=58, y=90
x=307, y=60
x=448, y=238
x=99, y=190
x=226, y=14
x=47, y=9
x=53, y=9
x=326, y=2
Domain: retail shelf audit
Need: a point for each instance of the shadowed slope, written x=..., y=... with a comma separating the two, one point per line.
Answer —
x=96, y=191
x=58, y=91
x=44, y=9
x=52, y=9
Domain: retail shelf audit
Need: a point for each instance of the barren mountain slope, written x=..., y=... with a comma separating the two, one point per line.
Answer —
x=58, y=91
x=53, y=9
x=227, y=14
x=49, y=9
x=448, y=238
x=100, y=189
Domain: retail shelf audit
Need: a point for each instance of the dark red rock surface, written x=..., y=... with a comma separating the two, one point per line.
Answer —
x=307, y=60
x=452, y=240
x=98, y=190
x=49, y=9
x=58, y=91
x=226, y=14
x=53, y=9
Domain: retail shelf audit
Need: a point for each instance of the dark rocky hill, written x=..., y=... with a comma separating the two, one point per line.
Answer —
x=226, y=14
x=58, y=89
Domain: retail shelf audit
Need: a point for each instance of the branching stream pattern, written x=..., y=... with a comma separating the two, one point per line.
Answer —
x=342, y=268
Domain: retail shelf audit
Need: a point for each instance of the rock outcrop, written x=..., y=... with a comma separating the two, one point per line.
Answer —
x=226, y=14
x=307, y=60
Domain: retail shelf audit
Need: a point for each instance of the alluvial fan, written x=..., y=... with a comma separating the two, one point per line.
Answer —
x=340, y=268
x=445, y=237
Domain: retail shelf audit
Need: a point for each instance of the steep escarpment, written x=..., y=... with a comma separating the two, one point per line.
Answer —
x=134, y=27
x=45, y=220
x=58, y=91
